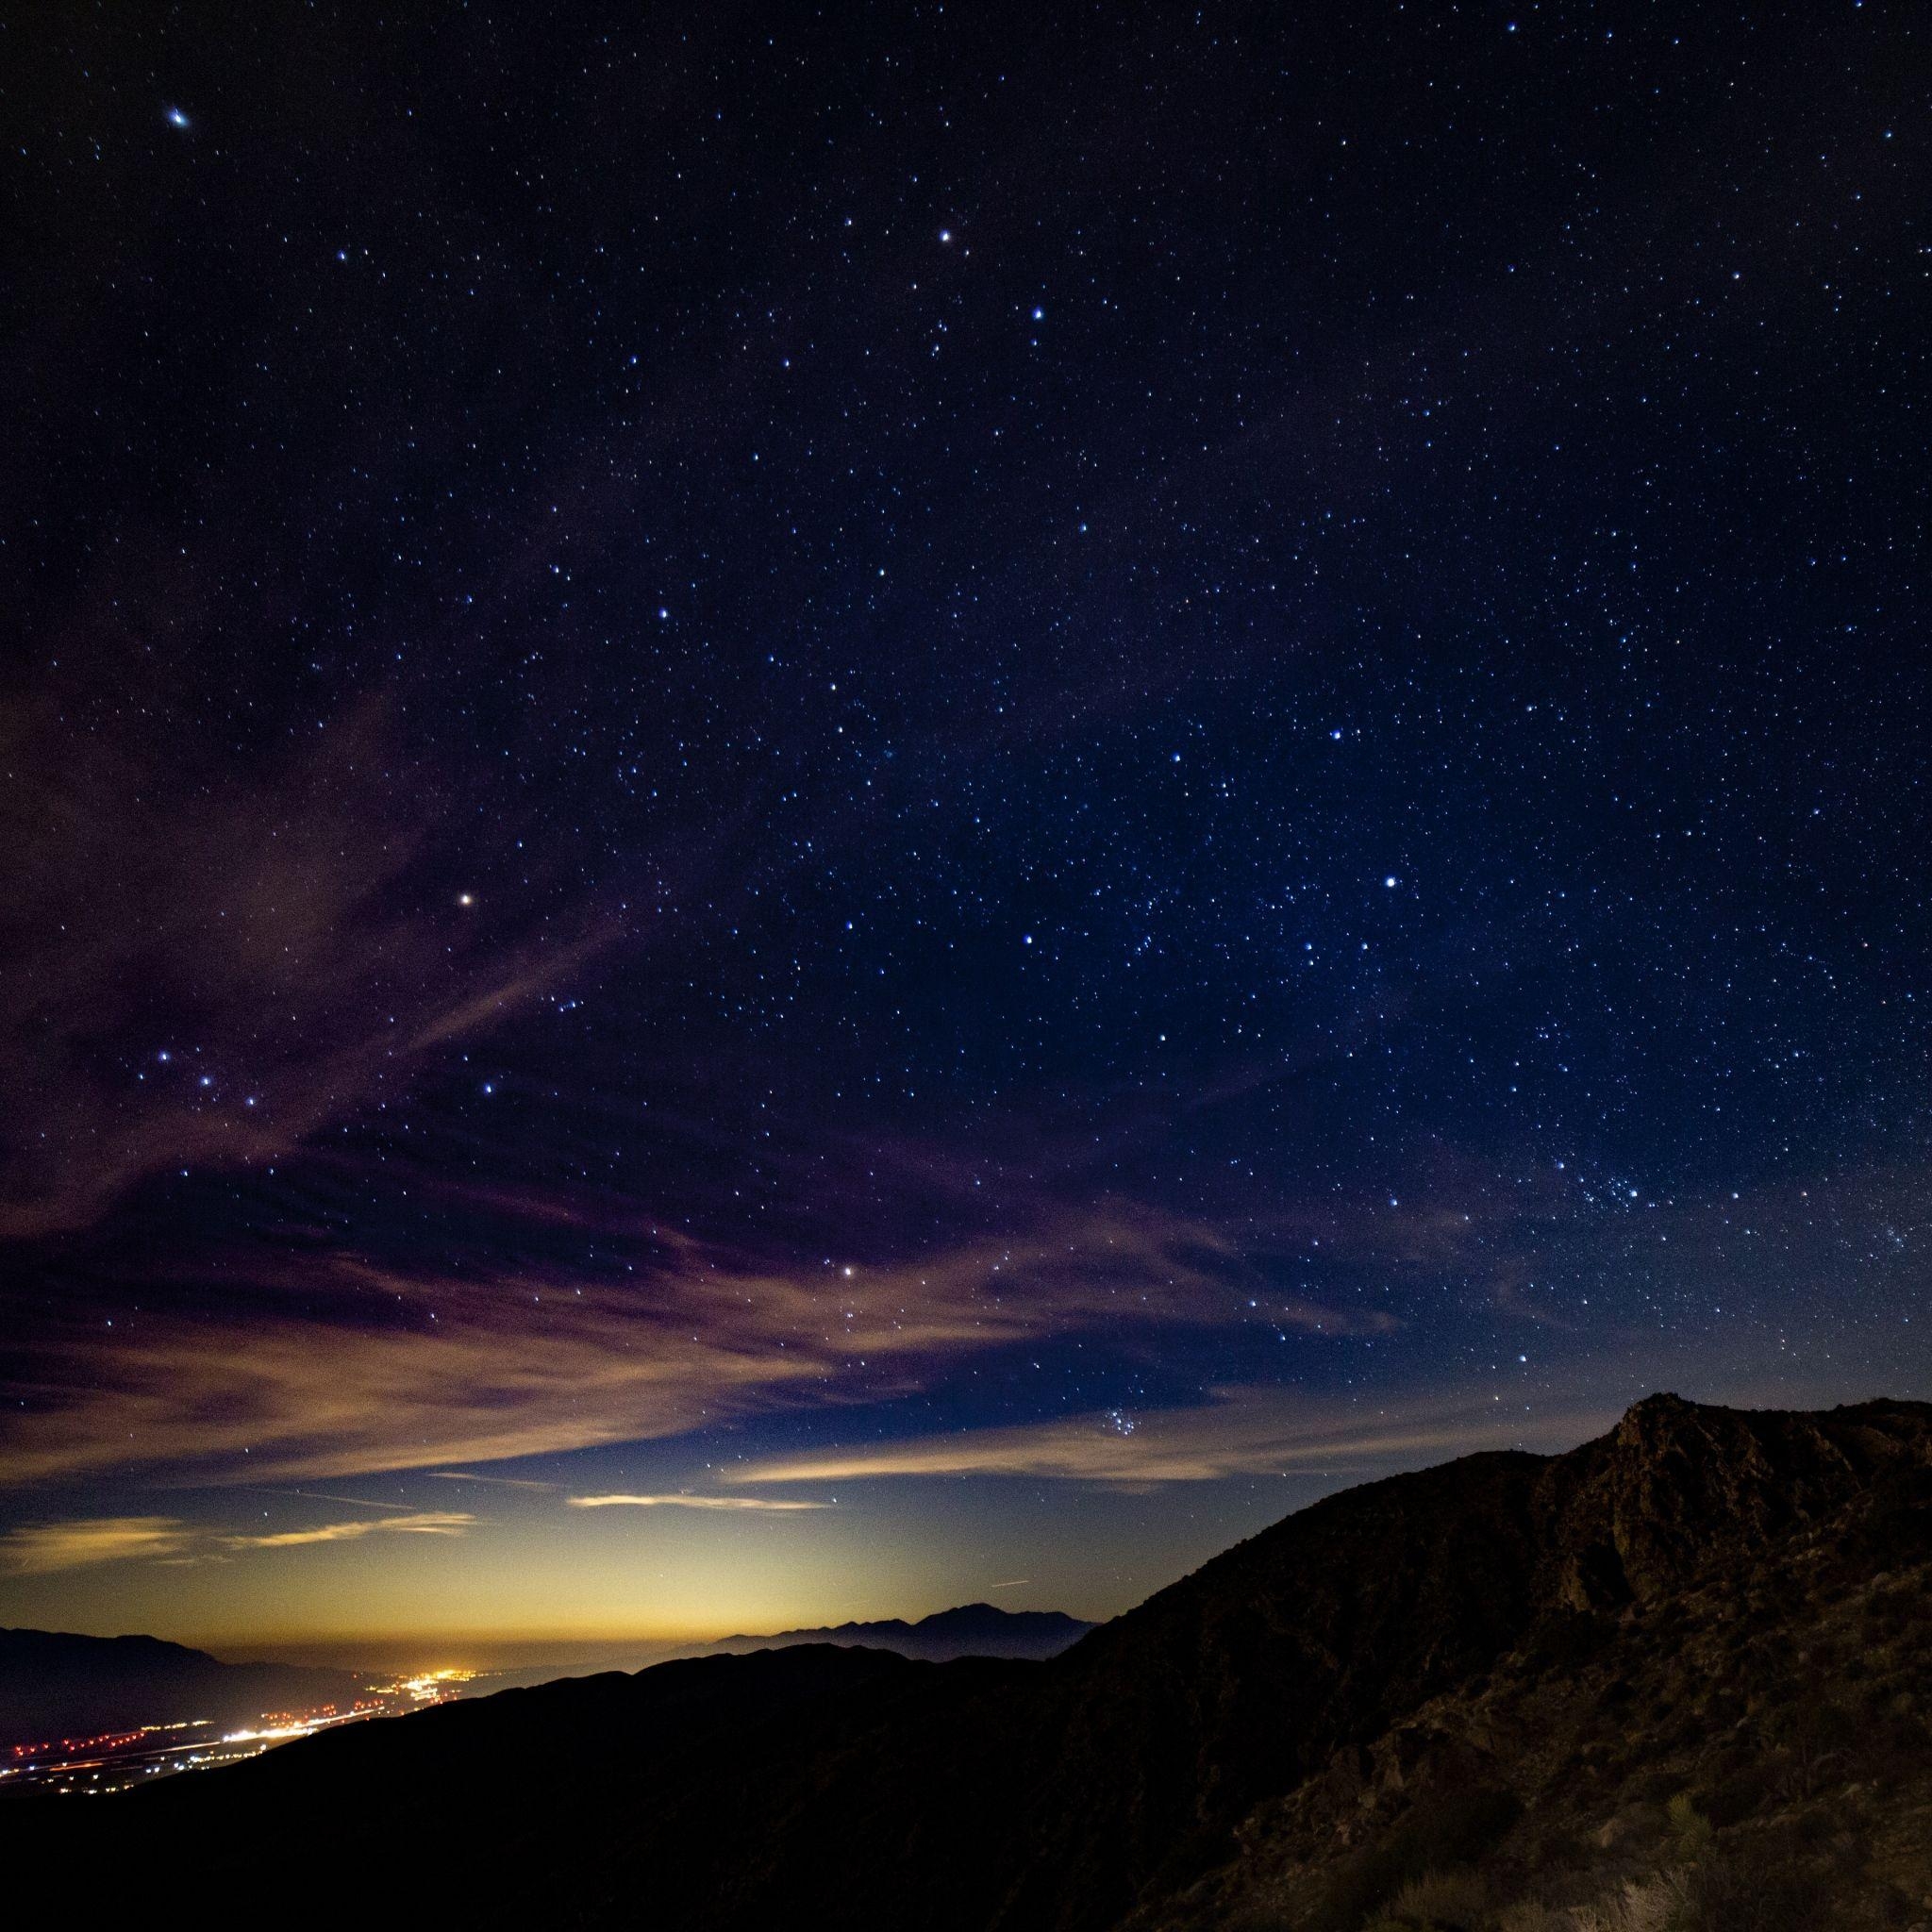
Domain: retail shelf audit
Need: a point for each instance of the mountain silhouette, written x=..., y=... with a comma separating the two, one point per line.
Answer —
x=971, y=1631
x=55, y=1684
x=1693, y=1653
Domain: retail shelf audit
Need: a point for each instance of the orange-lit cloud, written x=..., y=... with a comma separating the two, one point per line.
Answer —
x=34, y=1549
x=37, y=1549
x=691, y=1503
x=495, y=1482
x=467, y=1371
x=425, y=1522
x=1240, y=1432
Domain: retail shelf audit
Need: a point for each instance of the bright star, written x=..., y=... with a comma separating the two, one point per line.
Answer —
x=177, y=117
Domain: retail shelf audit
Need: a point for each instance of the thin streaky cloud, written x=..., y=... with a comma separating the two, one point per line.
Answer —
x=35, y=1549
x=731, y=1503
x=496, y=1482
x=390, y=1508
x=424, y=1522
x=459, y=1376
x=1241, y=1431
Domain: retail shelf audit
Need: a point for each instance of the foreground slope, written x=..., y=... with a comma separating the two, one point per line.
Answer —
x=1508, y=1668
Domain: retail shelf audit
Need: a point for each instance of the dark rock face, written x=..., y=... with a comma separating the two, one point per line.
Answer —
x=1634, y=1516
x=1278, y=1708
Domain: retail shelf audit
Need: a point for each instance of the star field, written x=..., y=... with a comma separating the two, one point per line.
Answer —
x=1045, y=776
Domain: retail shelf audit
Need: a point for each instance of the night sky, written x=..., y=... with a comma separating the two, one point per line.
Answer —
x=947, y=796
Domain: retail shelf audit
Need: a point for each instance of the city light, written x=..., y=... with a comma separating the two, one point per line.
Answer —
x=113, y=1760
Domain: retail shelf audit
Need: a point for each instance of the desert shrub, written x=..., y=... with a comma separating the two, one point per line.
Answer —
x=1440, y=1829
x=1648, y=1905
x=1531, y=1915
x=1690, y=1829
x=1440, y=1902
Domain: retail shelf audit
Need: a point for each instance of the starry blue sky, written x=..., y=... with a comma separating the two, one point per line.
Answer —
x=965, y=793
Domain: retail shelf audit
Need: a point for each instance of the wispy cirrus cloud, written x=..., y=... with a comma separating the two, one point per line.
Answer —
x=38, y=1548
x=202, y=967
x=423, y=1523
x=418, y=1371
x=495, y=1482
x=726, y=1503
x=1240, y=1431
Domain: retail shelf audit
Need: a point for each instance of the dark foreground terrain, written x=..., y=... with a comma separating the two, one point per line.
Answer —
x=1675, y=1678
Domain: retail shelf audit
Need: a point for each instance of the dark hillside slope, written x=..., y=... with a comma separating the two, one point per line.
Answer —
x=1256, y=1719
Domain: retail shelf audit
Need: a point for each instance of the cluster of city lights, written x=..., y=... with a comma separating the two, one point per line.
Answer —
x=113, y=1760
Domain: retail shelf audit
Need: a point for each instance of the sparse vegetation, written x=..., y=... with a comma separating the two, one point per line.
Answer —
x=1439, y=1832
x=1648, y=1905
x=1690, y=1829
x=1438, y=1902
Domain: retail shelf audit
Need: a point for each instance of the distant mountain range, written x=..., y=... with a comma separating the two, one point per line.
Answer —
x=1676, y=1677
x=55, y=1684
x=972, y=1631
